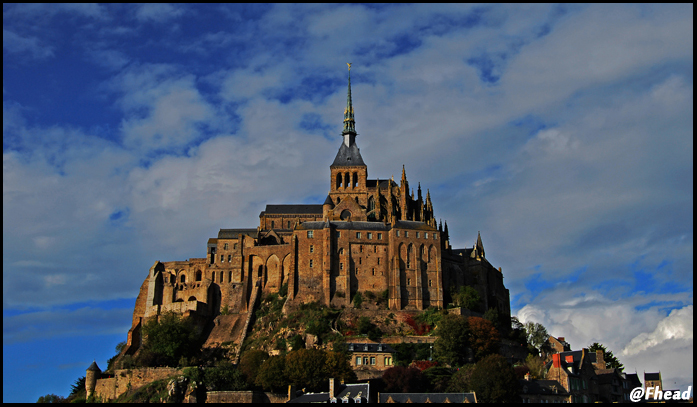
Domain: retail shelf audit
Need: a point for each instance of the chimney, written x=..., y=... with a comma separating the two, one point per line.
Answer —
x=332, y=387
x=556, y=360
x=600, y=359
x=561, y=339
x=291, y=392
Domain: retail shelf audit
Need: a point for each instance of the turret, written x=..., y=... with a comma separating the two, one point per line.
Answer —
x=93, y=373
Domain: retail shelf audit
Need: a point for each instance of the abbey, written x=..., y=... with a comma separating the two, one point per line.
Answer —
x=368, y=235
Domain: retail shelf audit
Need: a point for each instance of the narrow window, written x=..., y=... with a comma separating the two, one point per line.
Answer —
x=373, y=271
x=360, y=248
x=429, y=283
x=222, y=258
x=375, y=249
x=287, y=224
x=312, y=249
x=198, y=275
x=229, y=277
x=397, y=233
x=311, y=264
x=360, y=260
x=378, y=261
x=341, y=266
x=409, y=281
x=272, y=225
x=338, y=234
x=379, y=236
x=213, y=277
x=183, y=278
x=229, y=258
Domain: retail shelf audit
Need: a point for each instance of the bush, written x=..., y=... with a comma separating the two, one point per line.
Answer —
x=250, y=363
x=168, y=340
x=357, y=300
x=271, y=375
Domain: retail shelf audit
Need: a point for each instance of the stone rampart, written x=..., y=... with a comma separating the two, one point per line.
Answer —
x=127, y=379
x=245, y=397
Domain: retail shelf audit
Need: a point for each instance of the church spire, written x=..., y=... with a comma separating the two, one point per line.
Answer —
x=349, y=121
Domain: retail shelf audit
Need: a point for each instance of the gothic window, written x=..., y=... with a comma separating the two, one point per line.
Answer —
x=355, y=180
x=183, y=278
x=198, y=275
x=338, y=180
x=409, y=255
x=347, y=180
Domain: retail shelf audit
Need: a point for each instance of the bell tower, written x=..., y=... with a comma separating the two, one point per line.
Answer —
x=349, y=173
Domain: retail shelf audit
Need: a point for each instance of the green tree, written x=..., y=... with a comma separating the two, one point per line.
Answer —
x=337, y=365
x=223, y=377
x=468, y=297
x=452, y=343
x=438, y=378
x=305, y=368
x=400, y=379
x=271, y=375
x=365, y=327
x=50, y=398
x=250, y=363
x=169, y=340
x=537, y=336
x=483, y=337
x=536, y=365
x=460, y=381
x=517, y=332
x=494, y=381
x=611, y=360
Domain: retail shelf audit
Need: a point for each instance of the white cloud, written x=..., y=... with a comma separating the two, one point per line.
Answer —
x=158, y=12
x=16, y=44
x=677, y=325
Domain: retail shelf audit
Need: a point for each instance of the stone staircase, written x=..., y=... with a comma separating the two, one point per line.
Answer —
x=250, y=313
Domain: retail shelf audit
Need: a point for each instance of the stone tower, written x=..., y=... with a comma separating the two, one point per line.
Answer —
x=93, y=373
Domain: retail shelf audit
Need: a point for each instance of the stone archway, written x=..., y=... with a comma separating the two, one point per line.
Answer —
x=272, y=280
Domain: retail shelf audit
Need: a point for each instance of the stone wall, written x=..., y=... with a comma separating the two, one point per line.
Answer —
x=127, y=379
x=245, y=397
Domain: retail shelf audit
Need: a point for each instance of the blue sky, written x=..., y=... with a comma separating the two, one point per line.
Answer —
x=132, y=133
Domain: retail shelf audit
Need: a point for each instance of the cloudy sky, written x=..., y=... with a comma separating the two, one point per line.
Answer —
x=132, y=133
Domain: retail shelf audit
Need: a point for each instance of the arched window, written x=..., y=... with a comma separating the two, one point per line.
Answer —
x=192, y=298
x=213, y=277
x=198, y=275
x=410, y=253
x=183, y=278
x=338, y=180
x=347, y=180
x=355, y=180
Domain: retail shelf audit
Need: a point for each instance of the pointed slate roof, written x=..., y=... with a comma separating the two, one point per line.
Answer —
x=93, y=367
x=348, y=156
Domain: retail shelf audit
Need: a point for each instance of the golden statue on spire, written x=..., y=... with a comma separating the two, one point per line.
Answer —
x=349, y=65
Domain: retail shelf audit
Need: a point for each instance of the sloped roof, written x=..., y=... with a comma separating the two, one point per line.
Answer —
x=369, y=347
x=348, y=156
x=428, y=397
x=293, y=209
x=234, y=233
x=545, y=387
x=93, y=367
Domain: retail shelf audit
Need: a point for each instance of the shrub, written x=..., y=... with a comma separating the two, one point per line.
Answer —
x=357, y=300
x=168, y=340
x=401, y=379
x=494, y=381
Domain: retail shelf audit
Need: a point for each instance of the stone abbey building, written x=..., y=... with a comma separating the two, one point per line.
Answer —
x=368, y=235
